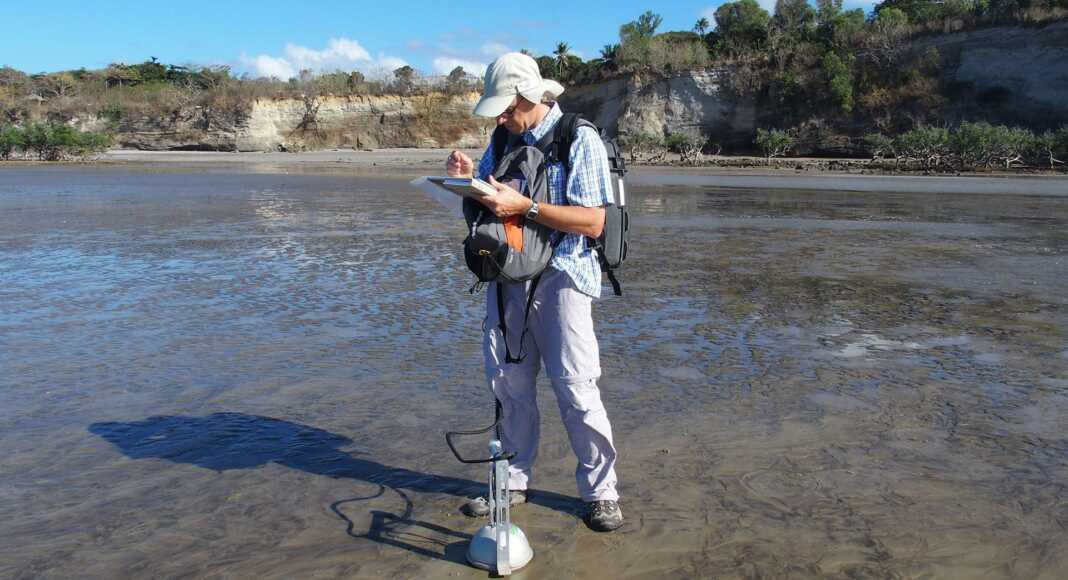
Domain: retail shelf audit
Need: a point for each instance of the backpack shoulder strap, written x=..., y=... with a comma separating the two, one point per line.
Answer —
x=564, y=136
x=499, y=142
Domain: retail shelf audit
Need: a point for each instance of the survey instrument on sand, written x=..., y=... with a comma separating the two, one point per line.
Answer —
x=499, y=546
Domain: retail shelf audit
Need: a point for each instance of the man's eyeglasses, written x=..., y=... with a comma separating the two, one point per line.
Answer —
x=508, y=112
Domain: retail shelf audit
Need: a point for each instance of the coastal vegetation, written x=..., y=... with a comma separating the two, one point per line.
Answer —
x=969, y=146
x=826, y=80
x=51, y=141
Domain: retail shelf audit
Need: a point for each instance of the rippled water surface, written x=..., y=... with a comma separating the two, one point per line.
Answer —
x=235, y=374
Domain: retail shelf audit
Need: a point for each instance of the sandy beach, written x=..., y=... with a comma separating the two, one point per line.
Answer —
x=241, y=365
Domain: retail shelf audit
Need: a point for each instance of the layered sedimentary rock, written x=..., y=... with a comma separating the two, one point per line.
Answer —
x=694, y=102
x=287, y=124
x=362, y=122
x=1010, y=74
x=1007, y=74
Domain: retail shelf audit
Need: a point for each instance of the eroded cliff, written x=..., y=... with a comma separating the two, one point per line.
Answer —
x=1010, y=74
x=357, y=121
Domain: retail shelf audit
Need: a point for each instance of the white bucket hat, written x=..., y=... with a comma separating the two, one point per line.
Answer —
x=513, y=74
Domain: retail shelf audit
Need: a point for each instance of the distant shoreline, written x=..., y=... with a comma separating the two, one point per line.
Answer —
x=727, y=171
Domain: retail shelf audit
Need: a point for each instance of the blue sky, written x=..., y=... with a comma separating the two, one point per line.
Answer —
x=277, y=38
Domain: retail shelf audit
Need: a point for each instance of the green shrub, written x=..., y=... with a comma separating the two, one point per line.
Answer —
x=839, y=80
x=926, y=145
x=113, y=113
x=972, y=143
x=644, y=147
x=879, y=145
x=687, y=146
x=11, y=140
x=91, y=143
x=774, y=143
x=51, y=141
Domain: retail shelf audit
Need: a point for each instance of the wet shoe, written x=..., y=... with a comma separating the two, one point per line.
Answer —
x=479, y=506
x=603, y=515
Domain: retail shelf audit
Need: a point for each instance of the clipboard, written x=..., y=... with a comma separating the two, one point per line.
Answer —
x=464, y=186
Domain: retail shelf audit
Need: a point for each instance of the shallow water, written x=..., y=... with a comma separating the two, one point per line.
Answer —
x=235, y=374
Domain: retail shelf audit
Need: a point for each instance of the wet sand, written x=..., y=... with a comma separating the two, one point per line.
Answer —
x=236, y=372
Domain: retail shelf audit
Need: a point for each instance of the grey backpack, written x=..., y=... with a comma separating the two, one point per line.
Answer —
x=486, y=248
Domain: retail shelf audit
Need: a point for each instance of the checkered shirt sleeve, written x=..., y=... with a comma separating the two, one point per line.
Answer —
x=589, y=185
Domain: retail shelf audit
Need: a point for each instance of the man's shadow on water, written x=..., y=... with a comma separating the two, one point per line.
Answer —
x=225, y=441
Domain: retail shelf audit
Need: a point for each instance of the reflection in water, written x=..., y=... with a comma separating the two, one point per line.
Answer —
x=818, y=385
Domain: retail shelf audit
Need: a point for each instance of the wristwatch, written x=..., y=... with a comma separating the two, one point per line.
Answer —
x=532, y=213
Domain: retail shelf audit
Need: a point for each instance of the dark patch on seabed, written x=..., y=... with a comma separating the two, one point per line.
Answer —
x=234, y=375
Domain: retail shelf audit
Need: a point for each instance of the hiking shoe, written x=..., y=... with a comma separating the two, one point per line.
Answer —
x=603, y=515
x=479, y=506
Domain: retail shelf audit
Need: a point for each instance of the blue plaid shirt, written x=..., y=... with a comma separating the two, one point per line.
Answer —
x=589, y=184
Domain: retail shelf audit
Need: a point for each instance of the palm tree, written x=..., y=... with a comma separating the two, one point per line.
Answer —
x=561, y=53
x=701, y=26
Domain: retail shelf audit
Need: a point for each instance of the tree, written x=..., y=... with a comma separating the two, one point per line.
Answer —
x=12, y=139
x=827, y=10
x=918, y=11
x=354, y=81
x=687, y=146
x=879, y=145
x=794, y=18
x=928, y=145
x=642, y=28
x=635, y=39
x=741, y=26
x=561, y=54
x=609, y=55
x=839, y=81
x=404, y=79
x=457, y=80
x=60, y=84
x=701, y=26
x=212, y=77
x=774, y=143
x=118, y=74
x=1050, y=145
x=845, y=31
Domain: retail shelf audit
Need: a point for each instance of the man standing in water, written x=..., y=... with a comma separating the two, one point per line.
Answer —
x=560, y=324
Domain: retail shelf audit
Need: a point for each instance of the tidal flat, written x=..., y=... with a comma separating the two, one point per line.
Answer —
x=238, y=372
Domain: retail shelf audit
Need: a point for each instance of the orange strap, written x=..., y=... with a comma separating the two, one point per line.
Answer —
x=513, y=231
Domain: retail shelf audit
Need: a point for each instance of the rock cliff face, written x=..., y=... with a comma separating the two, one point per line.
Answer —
x=1006, y=74
x=696, y=102
x=363, y=122
x=1011, y=74
x=358, y=121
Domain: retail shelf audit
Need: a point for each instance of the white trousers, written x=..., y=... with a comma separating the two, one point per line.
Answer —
x=560, y=335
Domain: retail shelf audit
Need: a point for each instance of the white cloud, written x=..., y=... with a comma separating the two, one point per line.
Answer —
x=494, y=49
x=340, y=54
x=444, y=65
x=269, y=66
